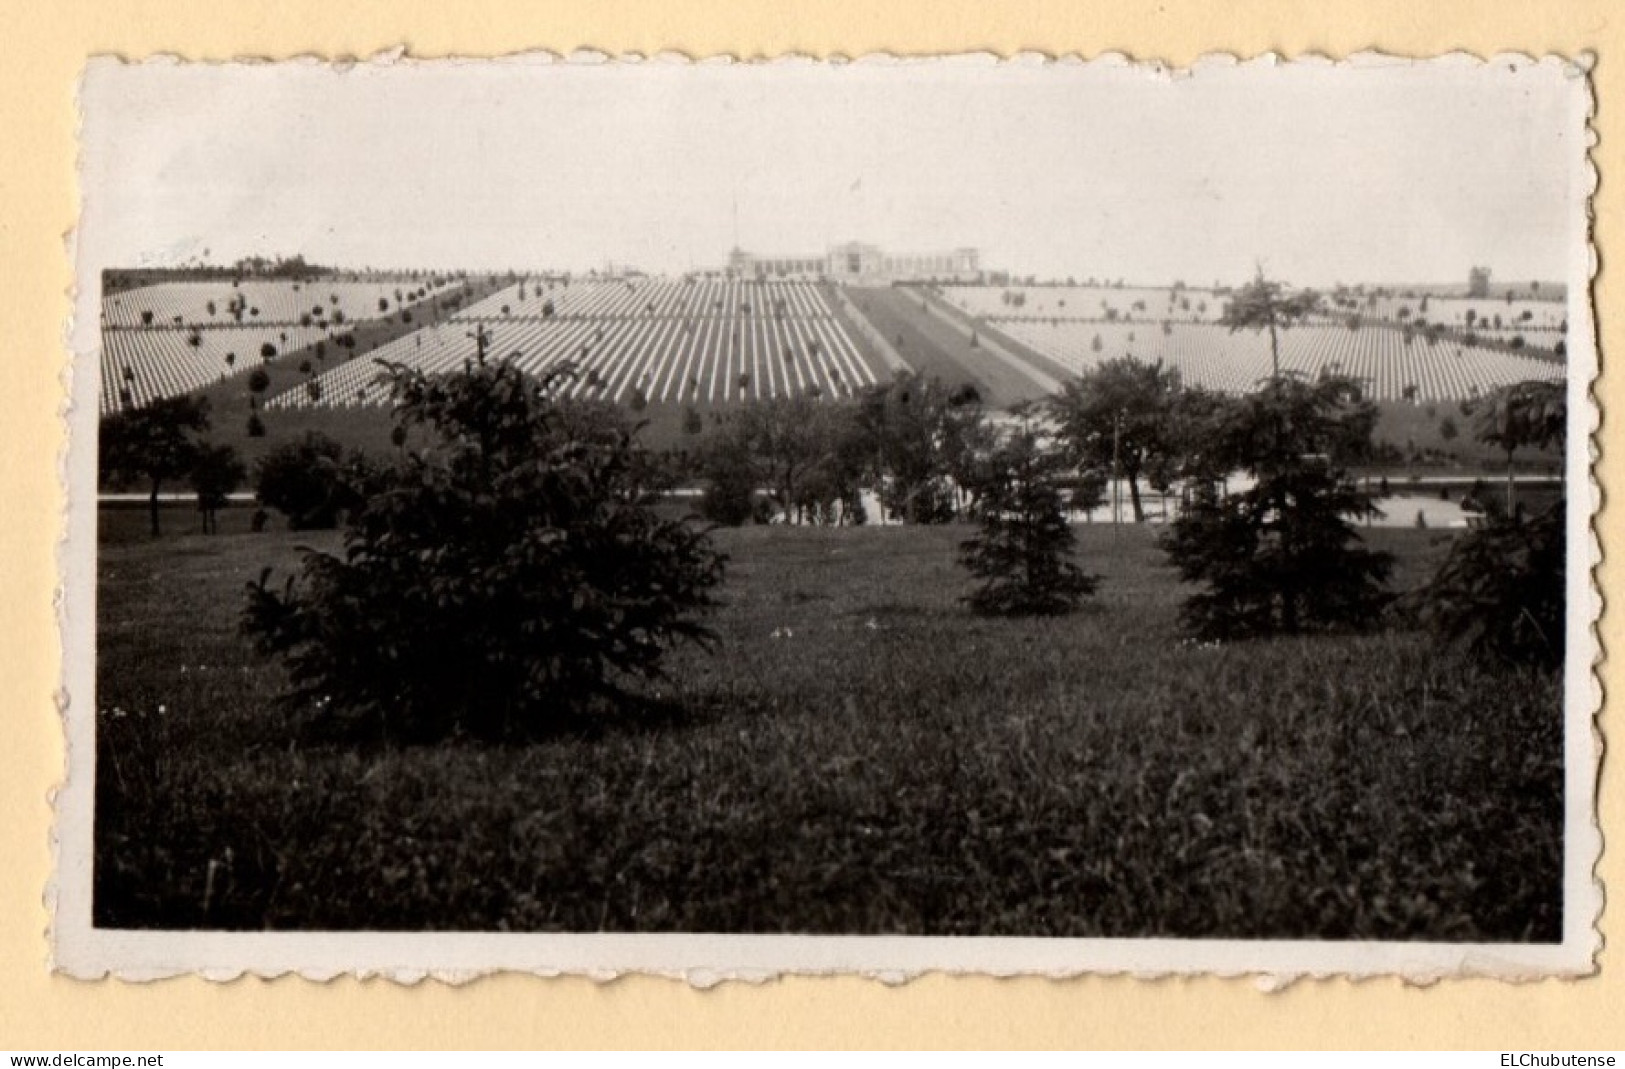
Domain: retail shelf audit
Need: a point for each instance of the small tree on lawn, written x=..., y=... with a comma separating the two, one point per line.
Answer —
x=154, y=443
x=1021, y=554
x=504, y=578
x=1116, y=418
x=1525, y=415
x=217, y=471
x=1282, y=556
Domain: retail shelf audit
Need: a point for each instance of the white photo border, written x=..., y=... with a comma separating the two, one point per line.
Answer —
x=81, y=950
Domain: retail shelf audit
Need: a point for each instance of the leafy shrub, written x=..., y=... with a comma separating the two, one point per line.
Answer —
x=305, y=481
x=502, y=580
x=1523, y=415
x=1021, y=554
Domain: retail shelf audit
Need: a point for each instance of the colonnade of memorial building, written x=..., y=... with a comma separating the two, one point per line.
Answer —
x=857, y=262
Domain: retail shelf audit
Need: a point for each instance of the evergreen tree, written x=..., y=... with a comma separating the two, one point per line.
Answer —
x=1282, y=555
x=1022, y=552
x=506, y=578
x=1501, y=593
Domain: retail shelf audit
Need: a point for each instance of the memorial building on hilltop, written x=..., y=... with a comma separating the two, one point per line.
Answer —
x=862, y=264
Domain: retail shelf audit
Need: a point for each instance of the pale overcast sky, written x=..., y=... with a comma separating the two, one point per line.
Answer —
x=1380, y=174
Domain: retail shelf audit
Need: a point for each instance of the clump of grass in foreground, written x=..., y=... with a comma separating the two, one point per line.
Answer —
x=863, y=756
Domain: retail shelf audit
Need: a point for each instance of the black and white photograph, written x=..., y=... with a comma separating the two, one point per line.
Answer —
x=610, y=514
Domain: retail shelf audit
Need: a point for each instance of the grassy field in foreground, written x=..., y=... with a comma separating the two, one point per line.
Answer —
x=861, y=756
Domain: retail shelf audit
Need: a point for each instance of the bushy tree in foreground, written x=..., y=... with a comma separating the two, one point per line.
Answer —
x=501, y=580
x=1022, y=552
x=1282, y=555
